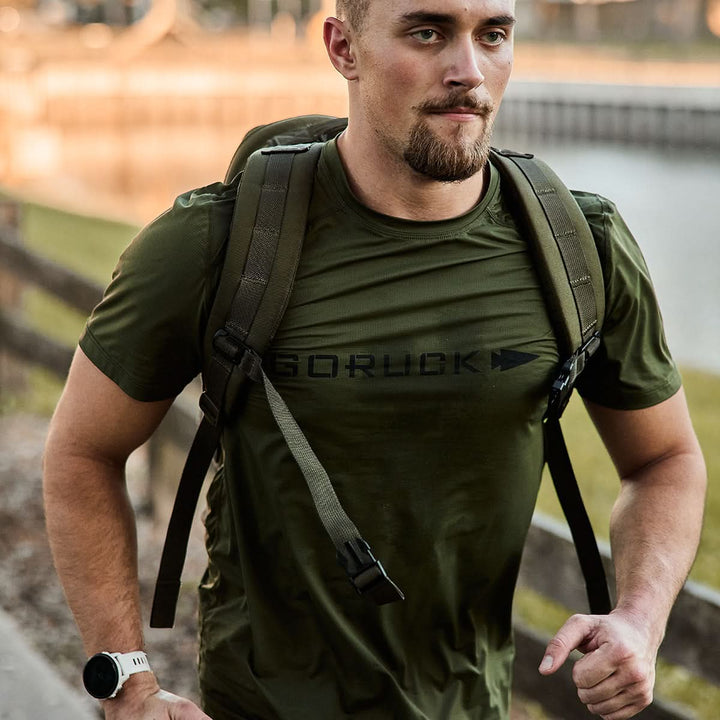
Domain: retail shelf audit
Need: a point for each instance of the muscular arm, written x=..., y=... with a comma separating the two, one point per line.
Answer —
x=91, y=525
x=654, y=532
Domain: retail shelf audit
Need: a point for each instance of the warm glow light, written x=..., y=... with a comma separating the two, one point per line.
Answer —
x=9, y=19
x=96, y=36
x=713, y=17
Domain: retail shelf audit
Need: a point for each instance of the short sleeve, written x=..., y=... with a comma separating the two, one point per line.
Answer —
x=146, y=334
x=633, y=368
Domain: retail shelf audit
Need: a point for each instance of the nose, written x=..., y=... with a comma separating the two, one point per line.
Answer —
x=463, y=68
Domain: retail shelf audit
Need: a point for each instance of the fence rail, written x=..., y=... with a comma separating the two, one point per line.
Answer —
x=549, y=565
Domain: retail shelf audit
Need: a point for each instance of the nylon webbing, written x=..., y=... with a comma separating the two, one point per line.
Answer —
x=167, y=586
x=265, y=237
x=572, y=504
x=566, y=236
x=334, y=519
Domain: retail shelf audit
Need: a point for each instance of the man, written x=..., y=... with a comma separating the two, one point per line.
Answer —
x=411, y=257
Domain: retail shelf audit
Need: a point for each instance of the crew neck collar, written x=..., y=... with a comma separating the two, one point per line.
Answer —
x=331, y=174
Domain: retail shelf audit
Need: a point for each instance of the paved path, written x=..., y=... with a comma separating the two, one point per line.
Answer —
x=30, y=688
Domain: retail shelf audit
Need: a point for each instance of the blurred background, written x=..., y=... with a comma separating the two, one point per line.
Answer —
x=111, y=108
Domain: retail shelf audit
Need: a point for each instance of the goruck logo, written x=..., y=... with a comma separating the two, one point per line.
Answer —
x=377, y=365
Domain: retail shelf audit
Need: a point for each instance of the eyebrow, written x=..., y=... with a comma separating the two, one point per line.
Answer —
x=421, y=16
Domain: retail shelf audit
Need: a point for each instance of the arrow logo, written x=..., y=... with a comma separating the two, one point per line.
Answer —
x=509, y=359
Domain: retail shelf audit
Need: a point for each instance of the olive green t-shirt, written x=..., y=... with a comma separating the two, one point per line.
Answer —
x=417, y=358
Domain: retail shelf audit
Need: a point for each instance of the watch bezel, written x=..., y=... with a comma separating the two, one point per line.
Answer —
x=98, y=686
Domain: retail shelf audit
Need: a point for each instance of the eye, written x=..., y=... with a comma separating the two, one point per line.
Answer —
x=426, y=35
x=493, y=37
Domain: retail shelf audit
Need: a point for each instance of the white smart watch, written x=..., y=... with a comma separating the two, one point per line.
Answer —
x=105, y=673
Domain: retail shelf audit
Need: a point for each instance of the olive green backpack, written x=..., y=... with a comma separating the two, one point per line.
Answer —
x=278, y=164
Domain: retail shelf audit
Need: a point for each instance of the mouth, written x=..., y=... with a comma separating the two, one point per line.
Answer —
x=460, y=113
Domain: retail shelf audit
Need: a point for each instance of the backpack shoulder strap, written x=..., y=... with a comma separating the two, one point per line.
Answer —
x=263, y=251
x=567, y=257
x=570, y=270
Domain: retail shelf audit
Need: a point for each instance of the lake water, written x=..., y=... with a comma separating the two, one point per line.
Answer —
x=671, y=201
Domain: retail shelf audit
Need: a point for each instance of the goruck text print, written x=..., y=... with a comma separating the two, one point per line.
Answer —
x=391, y=364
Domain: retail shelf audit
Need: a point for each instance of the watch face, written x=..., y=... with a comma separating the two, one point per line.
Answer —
x=101, y=676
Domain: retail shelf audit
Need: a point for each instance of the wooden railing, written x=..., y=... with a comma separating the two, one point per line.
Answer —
x=549, y=565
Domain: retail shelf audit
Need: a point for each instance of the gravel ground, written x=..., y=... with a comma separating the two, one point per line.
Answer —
x=31, y=593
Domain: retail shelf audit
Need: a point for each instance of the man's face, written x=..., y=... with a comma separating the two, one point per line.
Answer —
x=430, y=77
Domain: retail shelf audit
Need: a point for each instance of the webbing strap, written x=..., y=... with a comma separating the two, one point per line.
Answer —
x=571, y=501
x=336, y=522
x=566, y=237
x=252, y=252
x=570, y=270
x=567, y=258
x=365, y=572
x=263, y=245
x=167, y=586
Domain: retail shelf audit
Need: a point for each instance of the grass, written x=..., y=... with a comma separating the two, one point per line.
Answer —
x=87, y=244
x=91, y=245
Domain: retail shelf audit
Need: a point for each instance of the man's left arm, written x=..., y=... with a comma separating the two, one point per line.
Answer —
x=654, y=532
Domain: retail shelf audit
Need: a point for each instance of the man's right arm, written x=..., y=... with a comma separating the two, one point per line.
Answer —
x=91, y=526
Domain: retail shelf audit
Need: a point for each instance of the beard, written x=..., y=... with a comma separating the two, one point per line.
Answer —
x=451, y=160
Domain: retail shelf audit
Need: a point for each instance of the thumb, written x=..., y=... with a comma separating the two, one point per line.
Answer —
x=572, y=635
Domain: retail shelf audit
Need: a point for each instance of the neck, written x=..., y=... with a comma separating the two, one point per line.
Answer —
x=389, y=186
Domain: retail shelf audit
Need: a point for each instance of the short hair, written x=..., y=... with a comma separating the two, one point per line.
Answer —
x=352, y=11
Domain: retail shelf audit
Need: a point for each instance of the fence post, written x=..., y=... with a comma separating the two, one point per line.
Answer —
x=12, y=371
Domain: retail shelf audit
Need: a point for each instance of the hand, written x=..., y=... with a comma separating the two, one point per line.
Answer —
x=146, y=701
x=616, y=676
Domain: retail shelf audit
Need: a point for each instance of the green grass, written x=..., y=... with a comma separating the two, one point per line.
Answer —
x=87, y=244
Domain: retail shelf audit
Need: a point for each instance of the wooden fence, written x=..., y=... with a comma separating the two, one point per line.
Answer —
x=549, y=565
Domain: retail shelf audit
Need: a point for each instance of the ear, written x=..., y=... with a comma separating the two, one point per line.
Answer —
x=338, y=41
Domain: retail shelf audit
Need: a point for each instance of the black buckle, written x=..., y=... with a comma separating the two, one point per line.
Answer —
x=228, y=353
x=239, y=354
x=366, y=573
x=565, y=382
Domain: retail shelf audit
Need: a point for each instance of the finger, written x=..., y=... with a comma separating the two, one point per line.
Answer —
x=624, y=705
x=573, y=635
x=598, y=671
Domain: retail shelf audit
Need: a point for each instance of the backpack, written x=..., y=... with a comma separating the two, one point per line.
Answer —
x=278, y=163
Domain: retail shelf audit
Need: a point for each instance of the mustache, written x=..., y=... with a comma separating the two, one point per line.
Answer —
x=457, y=100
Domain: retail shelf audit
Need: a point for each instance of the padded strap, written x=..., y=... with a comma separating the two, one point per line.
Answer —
x=255, y=286
x=570, y=270
x=567, y=257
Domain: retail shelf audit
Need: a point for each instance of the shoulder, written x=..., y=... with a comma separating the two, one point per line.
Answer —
x=146, y=333
x=197, y=224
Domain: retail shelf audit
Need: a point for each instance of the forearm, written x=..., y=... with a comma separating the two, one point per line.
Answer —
x=655, y=531
x=91, y=528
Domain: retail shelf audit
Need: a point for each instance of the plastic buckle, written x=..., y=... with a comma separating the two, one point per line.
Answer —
x=239, y=354
x=366, y=573
x=565, y=383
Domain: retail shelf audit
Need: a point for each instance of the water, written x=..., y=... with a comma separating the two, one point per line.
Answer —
x=671, y=201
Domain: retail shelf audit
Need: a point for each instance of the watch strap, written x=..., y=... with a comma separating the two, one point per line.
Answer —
x=131, y=663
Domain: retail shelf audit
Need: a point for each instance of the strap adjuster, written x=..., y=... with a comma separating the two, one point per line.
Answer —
x=238, y=353
x=229, y=353
x=366, y=573
x=565, y=382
